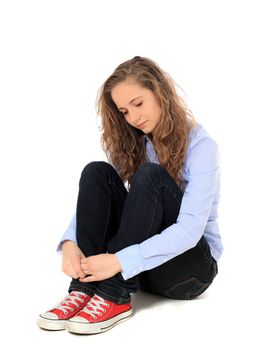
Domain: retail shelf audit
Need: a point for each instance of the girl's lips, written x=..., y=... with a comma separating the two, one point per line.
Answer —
x=142, y=124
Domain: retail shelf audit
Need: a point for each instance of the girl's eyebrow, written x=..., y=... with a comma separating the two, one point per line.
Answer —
x=130, y=102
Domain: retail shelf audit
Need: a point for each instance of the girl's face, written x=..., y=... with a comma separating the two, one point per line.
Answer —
x=139, y=105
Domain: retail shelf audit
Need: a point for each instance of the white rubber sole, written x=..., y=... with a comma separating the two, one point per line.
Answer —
x=99, y=327
x=50, y=325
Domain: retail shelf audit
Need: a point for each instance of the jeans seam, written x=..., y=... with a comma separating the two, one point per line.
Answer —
x=152, y=220
x=157, y=195
x=150, y=178
x=106, y=227
x=163, y=184
x=178, y=201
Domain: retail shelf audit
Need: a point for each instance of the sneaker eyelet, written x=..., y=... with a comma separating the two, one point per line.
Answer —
x=107, y=305
x=66, y=313
x=99, y=313
x=72, y=309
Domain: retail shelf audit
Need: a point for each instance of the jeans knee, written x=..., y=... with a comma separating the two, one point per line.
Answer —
x=95, y=165
x=93, y=168
x=149, y=171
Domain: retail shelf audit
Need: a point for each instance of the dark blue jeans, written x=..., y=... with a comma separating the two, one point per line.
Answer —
x=109, y=218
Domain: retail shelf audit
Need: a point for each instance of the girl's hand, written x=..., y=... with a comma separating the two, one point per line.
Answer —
x=100, y=267
x=71, y=257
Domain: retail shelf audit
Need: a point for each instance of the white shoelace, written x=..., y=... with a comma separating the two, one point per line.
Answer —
x=70, y=299
x=94, y=306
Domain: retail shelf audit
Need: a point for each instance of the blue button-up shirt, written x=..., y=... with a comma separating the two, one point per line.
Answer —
x=197, y=216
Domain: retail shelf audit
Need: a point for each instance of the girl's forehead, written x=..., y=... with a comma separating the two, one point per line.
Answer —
x=124, y=92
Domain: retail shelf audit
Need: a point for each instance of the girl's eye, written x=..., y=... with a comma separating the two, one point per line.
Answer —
x=139, y=104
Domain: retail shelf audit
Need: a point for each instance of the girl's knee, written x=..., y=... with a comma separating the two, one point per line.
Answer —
x=96, y=165
x=148, y=171
x=94, y=168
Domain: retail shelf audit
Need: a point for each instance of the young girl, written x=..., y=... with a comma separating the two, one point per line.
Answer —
x=161, y=235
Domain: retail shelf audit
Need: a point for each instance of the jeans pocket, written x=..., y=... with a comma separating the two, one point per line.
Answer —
x=186, y=290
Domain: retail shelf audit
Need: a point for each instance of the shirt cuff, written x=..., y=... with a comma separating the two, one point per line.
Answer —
x=131, y=261
x=68, y=236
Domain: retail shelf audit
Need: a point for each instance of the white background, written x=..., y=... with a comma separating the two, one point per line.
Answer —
x=54, y=57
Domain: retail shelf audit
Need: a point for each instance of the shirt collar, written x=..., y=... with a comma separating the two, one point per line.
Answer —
x=146, y=139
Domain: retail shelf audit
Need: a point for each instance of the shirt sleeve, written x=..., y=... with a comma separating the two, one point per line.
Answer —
x=202, y=175
x=69, y=234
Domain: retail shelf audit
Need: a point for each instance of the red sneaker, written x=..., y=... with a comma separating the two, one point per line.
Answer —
x=55, y=319
x=99, y=315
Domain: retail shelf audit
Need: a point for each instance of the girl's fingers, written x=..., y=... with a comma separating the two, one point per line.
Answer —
x=88, y=279
x=82, y=274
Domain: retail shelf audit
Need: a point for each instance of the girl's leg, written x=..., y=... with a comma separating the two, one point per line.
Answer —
x=99, y=206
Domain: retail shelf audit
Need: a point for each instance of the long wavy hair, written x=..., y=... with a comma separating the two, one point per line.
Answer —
x=123, y=144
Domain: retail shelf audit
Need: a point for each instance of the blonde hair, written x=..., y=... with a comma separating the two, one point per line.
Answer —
x=123, y=144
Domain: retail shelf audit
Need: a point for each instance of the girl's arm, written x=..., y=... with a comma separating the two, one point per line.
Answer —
x=69, y=234
x=198, y=210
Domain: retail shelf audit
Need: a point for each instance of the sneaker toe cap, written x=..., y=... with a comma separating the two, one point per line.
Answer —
x=79, y=319
x=50, y=315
